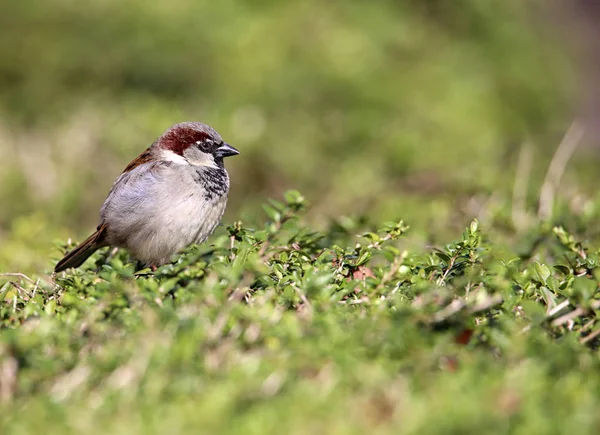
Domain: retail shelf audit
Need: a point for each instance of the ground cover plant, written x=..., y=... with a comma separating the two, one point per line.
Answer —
x=283, y=328
x=438, y=273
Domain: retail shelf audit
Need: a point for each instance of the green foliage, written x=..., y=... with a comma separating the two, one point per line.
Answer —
x=323, y=319
x=284, y=328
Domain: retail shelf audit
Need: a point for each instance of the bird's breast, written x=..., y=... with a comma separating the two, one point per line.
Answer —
x=214, y=182
x=198, y=206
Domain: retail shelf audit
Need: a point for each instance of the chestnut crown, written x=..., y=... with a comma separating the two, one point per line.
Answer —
x=194, y=137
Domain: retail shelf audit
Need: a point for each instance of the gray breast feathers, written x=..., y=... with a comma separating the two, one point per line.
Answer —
x=159, y=208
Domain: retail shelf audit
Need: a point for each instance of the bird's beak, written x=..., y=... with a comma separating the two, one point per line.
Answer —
x=226, y=150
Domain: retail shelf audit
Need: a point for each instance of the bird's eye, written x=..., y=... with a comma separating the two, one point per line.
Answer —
x=204, y=145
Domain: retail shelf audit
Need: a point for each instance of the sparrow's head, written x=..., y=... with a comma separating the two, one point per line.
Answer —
x=196, y=144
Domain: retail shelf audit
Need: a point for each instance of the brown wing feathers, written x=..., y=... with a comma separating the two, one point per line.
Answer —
x=81, y=253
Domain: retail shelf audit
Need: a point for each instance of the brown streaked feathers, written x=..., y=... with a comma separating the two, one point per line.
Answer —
x=81, y=253
x=145, y=157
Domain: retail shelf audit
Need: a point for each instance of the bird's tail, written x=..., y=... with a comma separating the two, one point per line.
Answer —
x=81, y=253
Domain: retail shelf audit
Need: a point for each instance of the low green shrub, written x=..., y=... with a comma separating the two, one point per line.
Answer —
x=286, y=329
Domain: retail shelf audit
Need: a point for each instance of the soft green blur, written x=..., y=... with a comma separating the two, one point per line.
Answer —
x=437, y=115
x=413, y=110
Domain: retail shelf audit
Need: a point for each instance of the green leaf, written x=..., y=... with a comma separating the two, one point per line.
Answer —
x=565, y=270
x=371, y=236
x=272, y=213
x=443, y=256
x=542, y=271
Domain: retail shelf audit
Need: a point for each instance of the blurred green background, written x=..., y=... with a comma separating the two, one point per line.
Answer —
x=416, y=109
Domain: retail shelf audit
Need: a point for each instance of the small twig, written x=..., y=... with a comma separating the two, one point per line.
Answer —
x=398, y=261
x=569, y=316
x=575, y=313
x=557, y=167
x=305, y=302
x=362, y=300
x=18, y=275
x=588, y=325
x=231, y=246
x=20, y=289
x=452, y=308
x=263, y=248
x=442, y=280
x=236, y=295
x=564, y=304
x=525, y=329
x=486, y=304
x=377, y=244
x=315, y=257
x=590, y=336
x=36, y=283
x=35, y=288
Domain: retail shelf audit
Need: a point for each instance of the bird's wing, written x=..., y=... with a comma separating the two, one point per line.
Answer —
x=131, y=193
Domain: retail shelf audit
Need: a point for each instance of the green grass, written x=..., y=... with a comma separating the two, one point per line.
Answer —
x=285, y=329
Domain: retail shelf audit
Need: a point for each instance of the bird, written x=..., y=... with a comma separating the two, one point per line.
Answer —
x=171, y=196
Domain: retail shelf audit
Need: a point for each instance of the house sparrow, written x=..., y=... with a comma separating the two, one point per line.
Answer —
x=171, y=196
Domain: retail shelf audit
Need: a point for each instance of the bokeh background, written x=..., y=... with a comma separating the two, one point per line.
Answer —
x=429, y=111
